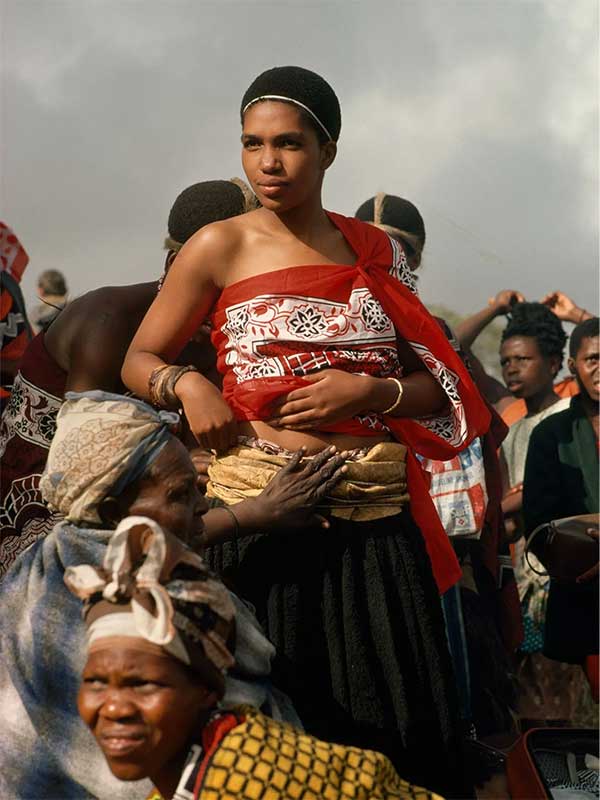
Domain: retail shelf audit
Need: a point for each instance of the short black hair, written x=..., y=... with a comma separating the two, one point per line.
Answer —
x=299, y=85
x=585, y=330
x=536, y=320
x=396, y=212
x=201, y=204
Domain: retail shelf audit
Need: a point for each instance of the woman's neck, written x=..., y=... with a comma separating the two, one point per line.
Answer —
x=541, y=401
x=167, y=777
x=307, y=222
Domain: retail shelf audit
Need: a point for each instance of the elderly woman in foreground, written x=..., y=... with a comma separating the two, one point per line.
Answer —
x=114, y=457
x=160, y=632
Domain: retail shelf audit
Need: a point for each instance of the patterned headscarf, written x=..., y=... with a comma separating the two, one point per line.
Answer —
x=102, y=443
x=160, y=596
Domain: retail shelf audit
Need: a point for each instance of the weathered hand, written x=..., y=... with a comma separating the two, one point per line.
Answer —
x=201, y=459
x=333, y=395
x=564, y=308
x=592, y=573
x=504, y=300
x=289, y=500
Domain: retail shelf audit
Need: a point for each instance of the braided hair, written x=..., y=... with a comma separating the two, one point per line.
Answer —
x=396, y=216
x=537, y=321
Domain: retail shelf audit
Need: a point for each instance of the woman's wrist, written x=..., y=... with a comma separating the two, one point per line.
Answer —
x=382, y=394
x=189, y=384
x=579, y=315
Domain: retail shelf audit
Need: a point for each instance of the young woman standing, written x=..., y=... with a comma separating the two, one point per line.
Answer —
x=321, y=343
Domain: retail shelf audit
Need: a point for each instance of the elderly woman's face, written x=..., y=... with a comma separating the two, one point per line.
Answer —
x=168, y=494
x=143, y=709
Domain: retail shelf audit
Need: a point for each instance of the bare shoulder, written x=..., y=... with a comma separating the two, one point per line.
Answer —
x=214, y=250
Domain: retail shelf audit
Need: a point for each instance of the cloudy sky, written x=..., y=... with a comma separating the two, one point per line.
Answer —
x=484, y=113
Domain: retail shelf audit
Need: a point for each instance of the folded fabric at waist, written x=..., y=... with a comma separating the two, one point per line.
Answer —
x=373, y=487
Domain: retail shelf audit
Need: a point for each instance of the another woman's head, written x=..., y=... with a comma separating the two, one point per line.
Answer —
x=114, y=456
x=159, y=635
x=584, y=357
x=202, y=204
x=400, y=219
x=531, y=352
x=291, y=121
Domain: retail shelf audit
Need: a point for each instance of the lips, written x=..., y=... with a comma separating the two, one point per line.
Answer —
x=122, y=743
x=272, y=188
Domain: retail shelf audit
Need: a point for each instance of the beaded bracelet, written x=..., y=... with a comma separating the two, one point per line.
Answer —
x=395, y=404
x=161, y=385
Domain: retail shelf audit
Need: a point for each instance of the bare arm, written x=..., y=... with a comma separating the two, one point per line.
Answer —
x=565, y=309
x=469, y=329
x=185, y=300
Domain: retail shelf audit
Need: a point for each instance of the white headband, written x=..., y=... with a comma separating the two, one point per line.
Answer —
x=289, y=100
x=125, y=624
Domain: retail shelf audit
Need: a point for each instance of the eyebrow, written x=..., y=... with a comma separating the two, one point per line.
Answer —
x=286, y=134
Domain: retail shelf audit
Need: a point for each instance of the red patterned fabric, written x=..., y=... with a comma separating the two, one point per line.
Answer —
x=13, y=257
x=26, y=429
x=272, y=329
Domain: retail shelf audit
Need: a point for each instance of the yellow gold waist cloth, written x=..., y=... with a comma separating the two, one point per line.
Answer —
x=373, y=487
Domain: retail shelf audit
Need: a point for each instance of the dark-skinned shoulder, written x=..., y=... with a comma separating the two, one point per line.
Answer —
x=212, y=250
x=90, y=337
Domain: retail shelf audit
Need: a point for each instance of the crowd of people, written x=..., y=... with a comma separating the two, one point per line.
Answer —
x=268, y=528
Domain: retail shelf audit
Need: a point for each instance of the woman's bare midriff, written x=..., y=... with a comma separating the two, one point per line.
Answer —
x=314, y=442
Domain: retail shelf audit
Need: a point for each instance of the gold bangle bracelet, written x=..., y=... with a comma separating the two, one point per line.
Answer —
x=398, y=400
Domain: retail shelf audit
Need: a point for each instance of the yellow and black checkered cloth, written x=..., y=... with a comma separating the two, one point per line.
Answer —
x=261, y=759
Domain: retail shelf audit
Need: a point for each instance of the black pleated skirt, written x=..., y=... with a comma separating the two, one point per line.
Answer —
x=356, y=618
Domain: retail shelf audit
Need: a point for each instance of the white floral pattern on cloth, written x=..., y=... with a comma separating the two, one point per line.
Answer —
x=452, y=427
x=30, y=414
x=400, y=269
x=24, y=518
x=267, y=337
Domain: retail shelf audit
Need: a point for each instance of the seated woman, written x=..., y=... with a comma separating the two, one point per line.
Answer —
x=321, y=341
x=112, y=457
x=160, y=629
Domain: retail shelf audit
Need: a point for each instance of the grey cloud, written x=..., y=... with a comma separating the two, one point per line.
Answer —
x=484, y=114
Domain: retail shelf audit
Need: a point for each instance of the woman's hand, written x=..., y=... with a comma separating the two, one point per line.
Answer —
x=201, y=459
x=289, y=500
x=333, y=395
x=210, y=419
x=505, y=300
x=564, y=308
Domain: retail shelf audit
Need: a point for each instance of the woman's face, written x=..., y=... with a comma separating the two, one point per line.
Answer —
x=526, y=372
x=142, y=708
x=281, y=155
x=169, y=494
x=586, y=367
